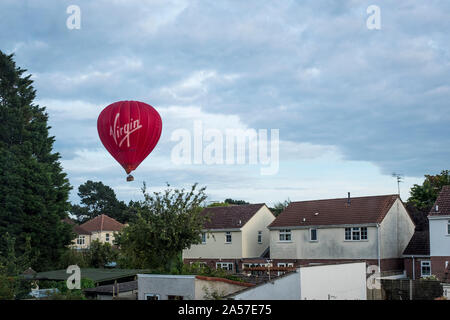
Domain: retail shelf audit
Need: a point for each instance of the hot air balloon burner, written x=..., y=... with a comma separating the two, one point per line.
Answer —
x=130, y=178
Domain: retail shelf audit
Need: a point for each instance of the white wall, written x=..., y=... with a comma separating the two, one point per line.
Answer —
x=439, y=238
x=285, y=288
x=331, y=244
x=396, y=231
x=321, y=282
x=165, y=285
x=335, y=282
x=216, y=248
x=259, y=222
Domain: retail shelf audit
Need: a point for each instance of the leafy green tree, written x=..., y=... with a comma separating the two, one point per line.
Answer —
x=279, y=207
x=100, y=254
x=217, y=204
x=97, y=199
x=167, y=223
x=34, y=189
x=235, y=202
x=422, y=197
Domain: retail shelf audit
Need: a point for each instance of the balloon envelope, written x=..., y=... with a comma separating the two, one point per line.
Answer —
x=129, y=130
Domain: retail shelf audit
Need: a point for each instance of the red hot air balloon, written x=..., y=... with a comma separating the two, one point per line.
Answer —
x=129, y=130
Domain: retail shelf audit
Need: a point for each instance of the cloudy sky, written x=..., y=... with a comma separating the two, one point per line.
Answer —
x=352, y=105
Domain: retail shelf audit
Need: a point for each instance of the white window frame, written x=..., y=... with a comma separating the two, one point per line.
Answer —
x=428, y=264
x=203, y=237
x=228, y=233
x=107, y=237
x=310, y=235
x=81, y=240
x=285, y=233
x=146, y=295
x=220, y=265
x=260, y=235
x=356, y=232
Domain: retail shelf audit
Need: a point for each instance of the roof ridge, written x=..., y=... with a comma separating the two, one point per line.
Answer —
x=328, y=199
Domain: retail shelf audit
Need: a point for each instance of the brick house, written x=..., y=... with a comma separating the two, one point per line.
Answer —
x=374, y=229
x=428, y=252
x=234, y=237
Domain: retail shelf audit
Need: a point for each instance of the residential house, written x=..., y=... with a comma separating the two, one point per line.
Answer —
x=185, y=287
x=428, y=252
x=102, y=228
x=346, y=281
x=235, y=236
x=374, y=229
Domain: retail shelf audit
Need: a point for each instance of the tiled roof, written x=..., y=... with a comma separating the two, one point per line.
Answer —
x=230, y=217
x=442, y=203
x=361, y=210
x=419, y=244
x=79, y=230
x=75, y=227
x=102, y=223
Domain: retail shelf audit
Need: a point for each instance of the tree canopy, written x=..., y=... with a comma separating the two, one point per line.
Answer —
x=423, y=197
x=34, y=189
x=167, y=222
x=96, y=199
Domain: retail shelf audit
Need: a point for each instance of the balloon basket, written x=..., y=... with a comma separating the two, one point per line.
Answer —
x=130, y=178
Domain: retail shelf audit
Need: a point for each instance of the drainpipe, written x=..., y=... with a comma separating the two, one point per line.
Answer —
x=414, y=268
x=379, y=248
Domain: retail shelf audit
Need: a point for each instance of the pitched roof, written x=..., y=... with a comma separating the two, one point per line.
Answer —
x=80, y=230
x=230, y=217
x=102, y=223
x=75, y=227
x=443, y=203
x=419, y=244
x=362, y=210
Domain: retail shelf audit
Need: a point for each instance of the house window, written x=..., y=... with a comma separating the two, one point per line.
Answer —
x=364, y=233
x=425, y=268
x=285, y=235
x=448, y=227
x=312, y=234
x=151, y=296
x=227, y=237
x=228, y=266
x=107, y=237
x=348, y=233
x=204, y=237
x=81, y=240
x=174, y=297
x=259, y=236
x=356, y=234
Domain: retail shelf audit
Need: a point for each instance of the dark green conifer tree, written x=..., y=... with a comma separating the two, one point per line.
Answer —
x=34, y=189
